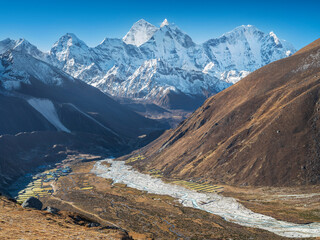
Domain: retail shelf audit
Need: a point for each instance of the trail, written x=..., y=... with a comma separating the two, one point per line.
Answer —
x=85, y=212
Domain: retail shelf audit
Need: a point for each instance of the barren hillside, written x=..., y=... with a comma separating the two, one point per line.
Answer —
x=264, y=130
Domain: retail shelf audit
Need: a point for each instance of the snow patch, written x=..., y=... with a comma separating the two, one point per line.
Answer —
x=208, y=67
x=47, y=109
x=276, y=39
x=164, y=23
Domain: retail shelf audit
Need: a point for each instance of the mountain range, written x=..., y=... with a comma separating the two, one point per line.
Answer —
x=44, y=103
x=162, y=65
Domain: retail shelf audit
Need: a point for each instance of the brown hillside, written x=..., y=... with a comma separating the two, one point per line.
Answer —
x=264, y=130
x=19, y=223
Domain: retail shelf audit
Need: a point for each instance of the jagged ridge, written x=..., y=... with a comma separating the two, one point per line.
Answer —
x=149, y=62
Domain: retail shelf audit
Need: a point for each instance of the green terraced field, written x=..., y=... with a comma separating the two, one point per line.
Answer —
x=40, y=187
x=136, y=158
x=200, y=187
x=155, y=173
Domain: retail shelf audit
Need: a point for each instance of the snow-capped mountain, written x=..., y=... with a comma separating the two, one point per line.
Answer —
x=21, y=45
x=71, y=55
x=43, y=86
x=245, y=48
x=139, y=33
x=18, y=67
x=150, y=62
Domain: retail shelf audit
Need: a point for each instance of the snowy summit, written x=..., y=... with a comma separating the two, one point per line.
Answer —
x=164, y=23
x=139, y=33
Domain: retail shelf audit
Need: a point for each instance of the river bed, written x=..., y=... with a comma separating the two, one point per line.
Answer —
x=226, y=207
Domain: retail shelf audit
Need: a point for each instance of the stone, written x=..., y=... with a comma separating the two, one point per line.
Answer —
x=93, y=224
x=32, y=202
x=52, y=210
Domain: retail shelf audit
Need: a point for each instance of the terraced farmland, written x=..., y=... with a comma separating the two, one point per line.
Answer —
x=41, y=184
x=34, y=189
x=200, y=187
x=134, y=159
x=155, y=173
x=85, y=185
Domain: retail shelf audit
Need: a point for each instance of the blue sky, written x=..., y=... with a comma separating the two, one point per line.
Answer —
x=43, y=22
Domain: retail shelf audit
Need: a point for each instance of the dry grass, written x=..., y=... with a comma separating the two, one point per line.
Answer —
x=19, y=223
x=298, y=204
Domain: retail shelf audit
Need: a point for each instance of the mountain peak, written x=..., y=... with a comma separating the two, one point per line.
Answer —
x=139, y=33
x=245, y=28
x=142, y=21
x=274, y=36
x=69, y=39
x=243, y=32
x=61, y=48
x=6, y=40
x=164, y=23
x=22, y=41
x=71, y=36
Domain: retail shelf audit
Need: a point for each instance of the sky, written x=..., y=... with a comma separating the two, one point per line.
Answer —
x=43, y=22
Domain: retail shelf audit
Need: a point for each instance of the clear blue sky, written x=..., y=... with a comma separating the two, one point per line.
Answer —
x=43, y=22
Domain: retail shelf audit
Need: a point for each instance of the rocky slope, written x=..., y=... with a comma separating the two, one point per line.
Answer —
x=152, y=64
x=264, y=130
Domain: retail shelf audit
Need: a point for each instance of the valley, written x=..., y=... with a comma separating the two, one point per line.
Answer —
x=108, y=193
x=156, y=135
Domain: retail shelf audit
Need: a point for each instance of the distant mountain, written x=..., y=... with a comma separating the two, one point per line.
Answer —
x=163, y=65
x=243, y=50
x=264, y=130
x=41, y=106
x=21, y=45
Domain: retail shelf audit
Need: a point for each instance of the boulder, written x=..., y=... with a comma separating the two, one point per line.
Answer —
x=32, y=202
x=93, y=224
x=52, y=210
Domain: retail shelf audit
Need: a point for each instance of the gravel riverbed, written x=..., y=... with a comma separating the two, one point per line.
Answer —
x=226, y=207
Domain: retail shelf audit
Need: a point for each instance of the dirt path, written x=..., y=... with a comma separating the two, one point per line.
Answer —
x=85, y=212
